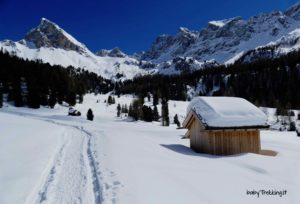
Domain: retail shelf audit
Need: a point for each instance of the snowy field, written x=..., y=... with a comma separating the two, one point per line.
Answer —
x=49, y=157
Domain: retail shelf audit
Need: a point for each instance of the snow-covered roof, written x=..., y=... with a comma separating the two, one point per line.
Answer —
x=227, y=112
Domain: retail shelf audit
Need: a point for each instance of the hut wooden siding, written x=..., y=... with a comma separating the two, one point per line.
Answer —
x=221, y=141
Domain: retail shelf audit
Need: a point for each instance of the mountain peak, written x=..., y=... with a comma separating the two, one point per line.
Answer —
x=224, y=22
x=184, y=30
x=46, y=22
x=43, y=19
x=115, y=52
x=49, y=34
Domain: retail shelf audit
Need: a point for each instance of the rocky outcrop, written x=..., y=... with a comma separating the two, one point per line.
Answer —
x=48, y=34
x=116, y=52
x=223, y=40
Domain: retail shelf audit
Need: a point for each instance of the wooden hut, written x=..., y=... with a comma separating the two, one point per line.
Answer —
x=224, y=125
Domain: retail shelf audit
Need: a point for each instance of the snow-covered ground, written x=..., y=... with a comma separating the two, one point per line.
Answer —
x=49, y=157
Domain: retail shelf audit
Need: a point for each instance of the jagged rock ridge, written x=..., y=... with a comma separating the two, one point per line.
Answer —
x=225, y=40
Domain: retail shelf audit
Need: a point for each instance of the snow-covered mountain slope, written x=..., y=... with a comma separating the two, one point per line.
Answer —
x=51, y=44
x=227, y=40
x=282, y=46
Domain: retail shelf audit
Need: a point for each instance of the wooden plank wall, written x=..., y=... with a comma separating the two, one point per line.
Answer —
x=234, y=142
x=199, y=138
x=225, y=142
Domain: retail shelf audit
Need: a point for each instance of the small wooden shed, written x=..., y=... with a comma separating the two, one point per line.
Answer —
x=224, y=125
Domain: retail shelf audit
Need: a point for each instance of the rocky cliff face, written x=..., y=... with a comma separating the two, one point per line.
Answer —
x=165, y=45
x=225, y=40
x=48, y=34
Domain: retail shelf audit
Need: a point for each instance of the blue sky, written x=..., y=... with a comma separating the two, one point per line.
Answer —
x=131, y=25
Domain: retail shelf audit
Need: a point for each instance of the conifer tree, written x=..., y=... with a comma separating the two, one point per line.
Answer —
x=163, y=122
x=125, y=109
x=33, y=98
x=136, y=109
x=167, y=115
x=147, y=114
x=165, y=112
x=52, y=99
x=130, y=111
x=118, y=110
x=155, y=114
x=111, y=100
x=292, y=126
x=1, y=98
x=176, y=121
x=17, y=94
x=24, y=90
x=80, y=98
x=155, y=99
x=141, y=99
x=71, y=98
x=90, y=115
x=44, y=99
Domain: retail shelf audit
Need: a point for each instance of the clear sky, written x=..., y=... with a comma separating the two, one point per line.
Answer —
x=131, y=25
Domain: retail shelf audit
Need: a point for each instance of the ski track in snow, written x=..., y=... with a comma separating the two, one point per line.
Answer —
x=72, y=173
x=93, y=167
x=43, y=193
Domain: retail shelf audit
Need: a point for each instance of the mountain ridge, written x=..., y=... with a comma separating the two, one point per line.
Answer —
x=221, y=42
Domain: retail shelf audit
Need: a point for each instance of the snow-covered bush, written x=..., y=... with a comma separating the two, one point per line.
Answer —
x=73, y=112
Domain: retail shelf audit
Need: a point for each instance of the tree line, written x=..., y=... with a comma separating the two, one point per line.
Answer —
x=265, y=82
x=33, y=83
x=148, y=113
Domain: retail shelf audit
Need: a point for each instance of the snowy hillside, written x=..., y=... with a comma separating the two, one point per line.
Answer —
x=51, y=44
x=284, y=45
x=55, y=158
x=225, y=41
